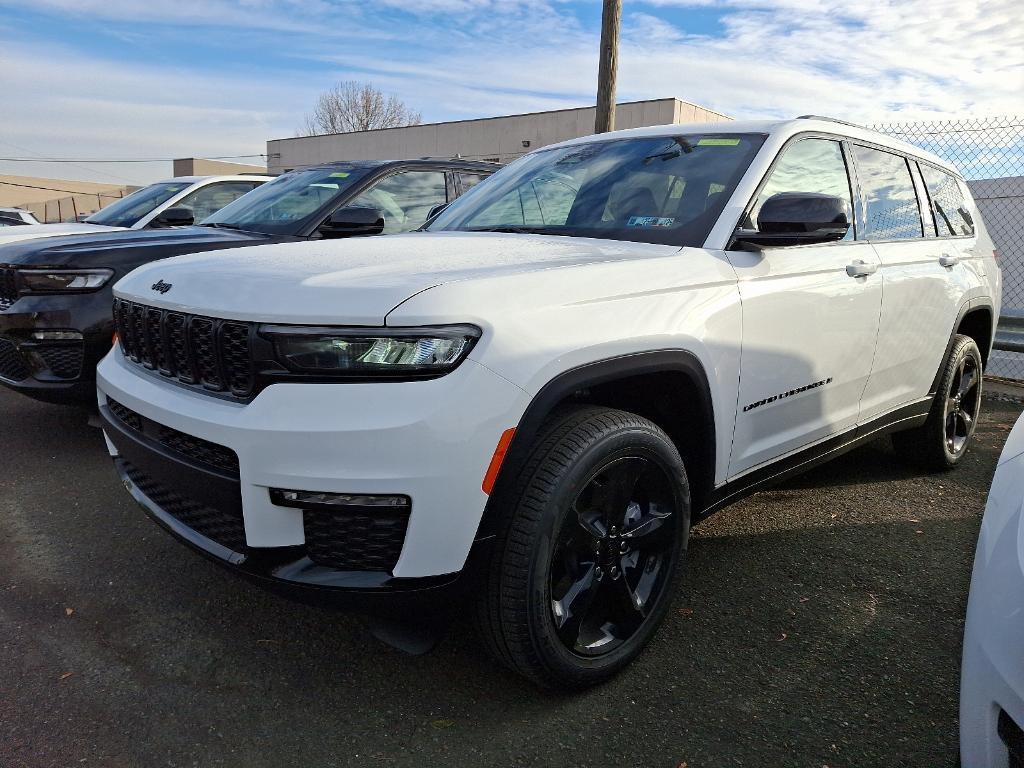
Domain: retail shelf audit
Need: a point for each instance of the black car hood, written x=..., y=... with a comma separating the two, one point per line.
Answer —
x=123, y=251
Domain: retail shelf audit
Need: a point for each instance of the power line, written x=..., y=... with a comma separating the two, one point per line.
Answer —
x=54, y=189
x=110, y=160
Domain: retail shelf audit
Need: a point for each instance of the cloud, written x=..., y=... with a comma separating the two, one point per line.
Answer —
x=453, y=59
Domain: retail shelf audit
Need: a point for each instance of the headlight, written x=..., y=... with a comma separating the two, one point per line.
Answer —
x=63, y=280
x=424, y=352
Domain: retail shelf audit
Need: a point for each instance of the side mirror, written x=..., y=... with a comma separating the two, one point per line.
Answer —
x=436, y=210
x=173, y=217
x=796, y=218
x=353, y=222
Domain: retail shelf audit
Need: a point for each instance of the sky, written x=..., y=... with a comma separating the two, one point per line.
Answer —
x=204, y=78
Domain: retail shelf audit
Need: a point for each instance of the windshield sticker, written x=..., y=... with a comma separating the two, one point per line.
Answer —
x=650, y=221
x=340, y=175
x=718, y=142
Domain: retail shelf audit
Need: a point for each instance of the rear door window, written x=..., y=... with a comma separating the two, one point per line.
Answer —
x=952, y=219
x=891, y=210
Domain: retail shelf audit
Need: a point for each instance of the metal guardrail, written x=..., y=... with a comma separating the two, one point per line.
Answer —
x=1010, y=331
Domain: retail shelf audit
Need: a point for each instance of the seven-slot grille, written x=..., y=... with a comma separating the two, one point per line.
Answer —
x=198, y=351
x=8, y=288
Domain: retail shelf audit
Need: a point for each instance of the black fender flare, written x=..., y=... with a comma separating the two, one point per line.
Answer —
x=969, y=306
x=590, y=375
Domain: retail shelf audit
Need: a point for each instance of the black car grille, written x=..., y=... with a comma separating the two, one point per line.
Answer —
x=355, y=541
x=64, y=361
x=222, y=526
x=8, y=288
x=202, y=352
x=193, y=449
x=12, y=364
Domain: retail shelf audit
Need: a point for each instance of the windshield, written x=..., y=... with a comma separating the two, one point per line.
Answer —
x=657, y=190
x=127, y=211
x=286, y=204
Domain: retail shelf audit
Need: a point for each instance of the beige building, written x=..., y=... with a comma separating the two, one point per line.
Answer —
x=58, y=199
x=194, y=166
x=500, y=139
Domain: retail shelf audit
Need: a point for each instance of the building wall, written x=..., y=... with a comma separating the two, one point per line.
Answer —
x=194, y=166
x=52, y=200
x=495, y=138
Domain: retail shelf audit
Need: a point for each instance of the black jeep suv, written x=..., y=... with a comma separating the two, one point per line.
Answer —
x=56, y=320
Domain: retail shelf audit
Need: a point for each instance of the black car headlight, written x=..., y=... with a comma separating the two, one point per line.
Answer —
x=63, y=280
x=422, y=352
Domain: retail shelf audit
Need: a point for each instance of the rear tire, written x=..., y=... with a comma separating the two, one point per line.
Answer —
x=590, y=545
x=942, y=441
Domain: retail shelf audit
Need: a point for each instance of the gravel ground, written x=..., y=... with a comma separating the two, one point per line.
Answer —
x=819, y=625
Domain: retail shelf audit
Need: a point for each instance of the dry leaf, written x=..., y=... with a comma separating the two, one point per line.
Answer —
x=68, y=611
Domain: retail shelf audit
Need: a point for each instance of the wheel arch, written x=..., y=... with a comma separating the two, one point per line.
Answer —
x=977, y=321
x=669, y=387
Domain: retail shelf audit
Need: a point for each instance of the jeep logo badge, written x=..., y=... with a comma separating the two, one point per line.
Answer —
x=161, y=286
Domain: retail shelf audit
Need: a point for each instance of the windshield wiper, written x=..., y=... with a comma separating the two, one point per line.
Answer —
x=520, y=230
x=221, y=225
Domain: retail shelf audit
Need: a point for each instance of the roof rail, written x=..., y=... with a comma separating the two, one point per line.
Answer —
x=828, y=119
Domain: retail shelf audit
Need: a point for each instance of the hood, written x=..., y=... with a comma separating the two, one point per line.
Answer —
x=33, y=231
x=123, y=249
x=357, y=281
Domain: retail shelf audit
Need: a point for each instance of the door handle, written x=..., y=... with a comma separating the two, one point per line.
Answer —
x=949, y=261
x=861, y=269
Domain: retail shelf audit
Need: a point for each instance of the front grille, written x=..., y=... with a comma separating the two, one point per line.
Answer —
x=192, y=449
x=355, y=541
x=127, y=416
x=64, y=361
x=223, y=526
x=8, y=288
x=12, y=364
x=197, y=351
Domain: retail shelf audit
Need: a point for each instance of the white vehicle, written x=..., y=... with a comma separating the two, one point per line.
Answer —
x=16, y=217
x=992, y=676
x=173, y=203
x=534, y=400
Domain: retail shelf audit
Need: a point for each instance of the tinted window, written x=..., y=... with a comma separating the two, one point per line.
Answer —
x=209, y=199
x=657, y=190
x=470, y=180
x=290, y=202
x=951, y=214
x=405, y=199
x=127, y=211
x=809, y=165
x=890, y=202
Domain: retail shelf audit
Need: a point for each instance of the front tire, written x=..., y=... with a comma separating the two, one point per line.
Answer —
x=591, y=542
x=942, y=441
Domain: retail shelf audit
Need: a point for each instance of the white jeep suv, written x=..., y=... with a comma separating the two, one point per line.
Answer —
x=531, y=402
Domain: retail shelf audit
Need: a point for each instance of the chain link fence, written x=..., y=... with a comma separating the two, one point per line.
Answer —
x=989, y=152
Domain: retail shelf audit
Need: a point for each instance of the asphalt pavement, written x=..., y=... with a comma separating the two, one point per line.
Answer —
x=819, y=624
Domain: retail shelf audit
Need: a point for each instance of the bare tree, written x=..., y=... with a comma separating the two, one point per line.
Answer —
x=354, y=106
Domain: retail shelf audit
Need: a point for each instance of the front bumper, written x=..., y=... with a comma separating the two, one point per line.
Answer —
x=429, y=440
x=55, y=371
x=992, y=678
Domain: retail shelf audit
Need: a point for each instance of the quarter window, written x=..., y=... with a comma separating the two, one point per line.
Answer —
x=809, y=165
x=405, y=199
x=890, y=202
x=951, y=215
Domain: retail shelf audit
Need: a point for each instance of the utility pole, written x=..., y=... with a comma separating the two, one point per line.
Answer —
x=611, y=19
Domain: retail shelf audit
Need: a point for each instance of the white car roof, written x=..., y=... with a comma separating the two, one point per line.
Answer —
x=208, y=179
x=781, y=128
